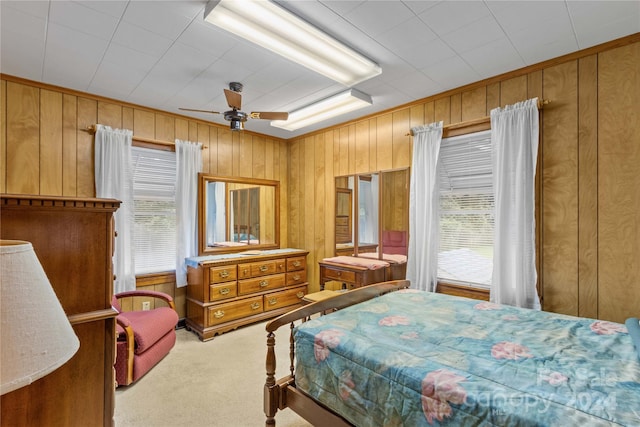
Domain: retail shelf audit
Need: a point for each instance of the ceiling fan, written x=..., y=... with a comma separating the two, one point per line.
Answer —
x=235, y=117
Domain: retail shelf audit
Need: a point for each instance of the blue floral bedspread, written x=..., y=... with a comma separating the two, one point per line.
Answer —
x=413, y=358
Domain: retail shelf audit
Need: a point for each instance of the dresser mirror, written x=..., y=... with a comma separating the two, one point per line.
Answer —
x=394, y=211
x=372, y=213
x=237, y=214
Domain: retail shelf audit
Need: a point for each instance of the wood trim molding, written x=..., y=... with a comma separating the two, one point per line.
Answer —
x=463, y=291
x=155, y=279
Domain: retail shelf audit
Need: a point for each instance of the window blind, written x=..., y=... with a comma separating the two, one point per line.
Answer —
x=466, y=210
x=154, y=189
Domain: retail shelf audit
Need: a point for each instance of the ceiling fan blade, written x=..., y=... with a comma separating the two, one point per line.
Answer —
x=234, y=99
x=272, y=115
x=200, y=111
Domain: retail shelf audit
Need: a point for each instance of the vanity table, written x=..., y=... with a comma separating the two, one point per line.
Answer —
x=351, y=276
x=230, y=290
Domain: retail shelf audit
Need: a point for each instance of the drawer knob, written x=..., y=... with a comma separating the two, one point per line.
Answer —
x=255, y=306
x=296, y=263
x=224, y=291
x=218, y=314
x=264, y=268
x=224, y=274
x=273, y=301
x=296, y=277
x=264, y=283
x=300, y=294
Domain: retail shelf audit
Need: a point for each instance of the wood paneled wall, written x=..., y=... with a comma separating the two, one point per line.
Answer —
x=588, y=194
x=45, y=149
x=588, y=197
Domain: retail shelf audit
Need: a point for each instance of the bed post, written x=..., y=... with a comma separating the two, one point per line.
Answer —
x=270, y=388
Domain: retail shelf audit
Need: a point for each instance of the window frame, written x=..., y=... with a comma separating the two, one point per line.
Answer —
x=161, y=276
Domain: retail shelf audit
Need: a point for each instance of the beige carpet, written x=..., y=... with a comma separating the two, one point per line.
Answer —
x=214, y=383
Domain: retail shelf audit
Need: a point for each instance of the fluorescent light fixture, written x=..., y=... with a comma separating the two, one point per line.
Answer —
x=274, y=28
x=325, y=109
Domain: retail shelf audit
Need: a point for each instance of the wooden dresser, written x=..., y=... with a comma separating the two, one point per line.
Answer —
x=73, y=239
x=231, y=290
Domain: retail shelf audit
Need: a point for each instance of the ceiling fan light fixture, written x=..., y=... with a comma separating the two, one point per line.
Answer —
x=272, y=27
x=327, y=108
x=236, y=125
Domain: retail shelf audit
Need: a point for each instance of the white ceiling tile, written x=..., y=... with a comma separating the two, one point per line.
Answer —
x=208, y=38
x=66, y=46
x=113, y=8
x=416, y=85
x=24, y=59
x=342, y=7
x=403, y=38
x=22, y=43
x=521, y=15
x=430, y=54
x=83, y=19
x=35, y=8
x=477, y=33
x=159, y=17
x=315, y=13
x=78, y=77
x=419, y=6
x=127, y=58
x=115, y=80
x=508, y=60
x=609, y=31
x=612, y=22
x=18, y=24
x=448, y=16
x=141, y=40
x=451, y=73
x=377, y=17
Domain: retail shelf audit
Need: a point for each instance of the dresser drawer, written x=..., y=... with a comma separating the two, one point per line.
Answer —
x=223, y=291
x=234, y=310
x=296, y=277
x=297, y=263
x=227, y=273
x=345, y=276
x=259, y=284
x=342, y=221
x=264, y=268
x=285, y=298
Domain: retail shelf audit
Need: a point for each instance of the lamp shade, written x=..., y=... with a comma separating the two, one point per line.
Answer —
x=36, y=337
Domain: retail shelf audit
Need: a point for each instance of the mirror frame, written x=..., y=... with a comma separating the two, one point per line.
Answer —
x=203, y=180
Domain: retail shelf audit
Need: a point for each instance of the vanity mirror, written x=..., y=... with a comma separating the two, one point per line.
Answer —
x=237, y=214
x=377, y=217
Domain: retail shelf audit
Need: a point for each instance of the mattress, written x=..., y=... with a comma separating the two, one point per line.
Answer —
x=413, y=358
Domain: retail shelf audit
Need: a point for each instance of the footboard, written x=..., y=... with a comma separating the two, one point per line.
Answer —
x=281, y=393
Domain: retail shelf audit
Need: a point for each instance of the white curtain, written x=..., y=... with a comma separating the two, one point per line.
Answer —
x=188, y=164
x=114, y=179
x=422, y=259
x=216, y=212
x=514, y=140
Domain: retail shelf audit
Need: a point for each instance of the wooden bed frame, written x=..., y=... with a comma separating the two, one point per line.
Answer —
x=282, y=393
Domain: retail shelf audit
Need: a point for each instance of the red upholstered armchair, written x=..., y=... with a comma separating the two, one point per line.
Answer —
x=144, y=337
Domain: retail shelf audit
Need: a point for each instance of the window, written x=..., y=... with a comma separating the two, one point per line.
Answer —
x=466, y=210
x=154, y=190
